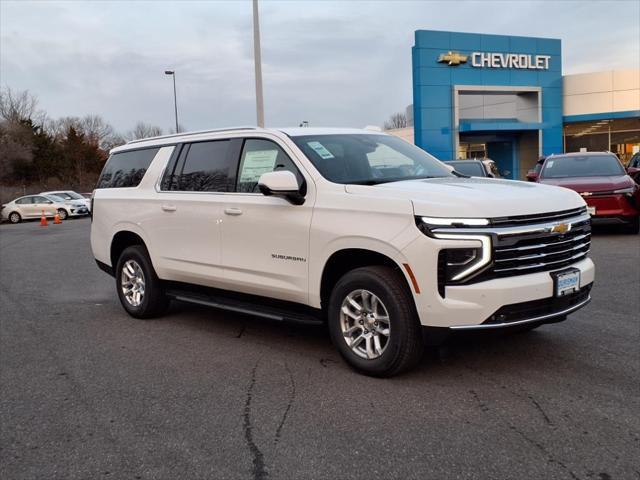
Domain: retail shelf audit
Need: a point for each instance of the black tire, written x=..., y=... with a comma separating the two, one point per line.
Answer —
x=15, y=217
x=154, y=302
x=404, y=347
x=62, y=213
x=633, y=227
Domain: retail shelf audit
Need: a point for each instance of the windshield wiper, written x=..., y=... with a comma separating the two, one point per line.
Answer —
x=378, y=181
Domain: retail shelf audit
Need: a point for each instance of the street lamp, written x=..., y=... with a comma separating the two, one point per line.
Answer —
x=257, y=59
x=175, y=98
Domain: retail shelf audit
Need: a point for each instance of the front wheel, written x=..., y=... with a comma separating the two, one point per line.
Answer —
x=62, y=213
x=373, y=322
x=138, y=286
x=634, y=226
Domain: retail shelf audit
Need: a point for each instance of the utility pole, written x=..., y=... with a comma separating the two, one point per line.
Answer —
x=175, y=97
x=257, y=57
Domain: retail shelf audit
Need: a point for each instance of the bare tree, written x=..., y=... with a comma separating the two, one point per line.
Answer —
x=397, y=120
x=96, y=130
x=112, y=141
x=143, y=130
x=17, y=106
x=59, y=127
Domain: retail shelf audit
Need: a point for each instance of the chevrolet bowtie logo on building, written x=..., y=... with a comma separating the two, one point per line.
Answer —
x=561, y=228
x=453, y=58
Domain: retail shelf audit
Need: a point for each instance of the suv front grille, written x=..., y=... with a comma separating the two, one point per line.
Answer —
x=528, y=244
x=521, y=254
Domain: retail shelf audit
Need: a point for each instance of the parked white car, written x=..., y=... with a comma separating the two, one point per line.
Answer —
x=71, y=197
x=354, y=228
x=33, y=206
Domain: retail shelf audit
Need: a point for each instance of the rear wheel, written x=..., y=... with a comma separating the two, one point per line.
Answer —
x=14, y=217
x=62, y=213
x=373, y=322
x=139, y=288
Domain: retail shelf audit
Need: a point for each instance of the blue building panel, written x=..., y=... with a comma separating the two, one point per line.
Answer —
x=434, y=82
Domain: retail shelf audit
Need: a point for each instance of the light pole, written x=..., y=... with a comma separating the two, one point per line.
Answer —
x=257, y=58
x=175, y=98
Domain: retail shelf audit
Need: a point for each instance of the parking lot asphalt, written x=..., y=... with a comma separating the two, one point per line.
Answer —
x=88, y=392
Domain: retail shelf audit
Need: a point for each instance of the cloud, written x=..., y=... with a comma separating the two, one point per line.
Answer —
x=331, y=63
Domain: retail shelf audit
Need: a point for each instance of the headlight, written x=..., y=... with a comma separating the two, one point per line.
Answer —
x=456, y=264
x=626, y=191
x=463, y=262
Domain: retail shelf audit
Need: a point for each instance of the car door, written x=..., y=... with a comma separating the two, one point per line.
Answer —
x=185, y=236
x=43, y=204
x=265, y=239
x=26, y=206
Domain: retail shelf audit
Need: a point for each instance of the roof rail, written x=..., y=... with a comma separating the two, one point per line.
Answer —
x=197, y=132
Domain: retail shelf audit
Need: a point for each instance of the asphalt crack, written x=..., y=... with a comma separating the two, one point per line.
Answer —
x=259, y=471
x=292, y=397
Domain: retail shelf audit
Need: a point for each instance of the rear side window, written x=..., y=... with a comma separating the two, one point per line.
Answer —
x=126, y=169
x=207, y=167
x=24, y=201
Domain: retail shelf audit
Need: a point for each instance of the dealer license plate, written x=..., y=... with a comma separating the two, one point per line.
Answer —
x=566, y=282
x=591, y=211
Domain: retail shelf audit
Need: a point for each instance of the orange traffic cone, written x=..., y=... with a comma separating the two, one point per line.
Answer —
x=43, y=220
x=56, y=219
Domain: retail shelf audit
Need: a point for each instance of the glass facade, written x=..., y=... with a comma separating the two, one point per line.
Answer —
x=620, y=136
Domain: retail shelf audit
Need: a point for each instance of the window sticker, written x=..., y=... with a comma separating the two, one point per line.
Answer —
x=550, y=164
x=256, y=163
x=320, y=150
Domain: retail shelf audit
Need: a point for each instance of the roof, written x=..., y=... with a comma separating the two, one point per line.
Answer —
x=203, y=134
x=302, y=131
x=579, y=154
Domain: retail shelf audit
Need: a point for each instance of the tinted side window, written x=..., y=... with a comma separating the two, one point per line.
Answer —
x=262, y=156
x=24, y=201
x=207, y=168
x=126, y=169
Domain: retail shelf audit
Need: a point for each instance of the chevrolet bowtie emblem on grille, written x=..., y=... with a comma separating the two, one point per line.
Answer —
x=561, y=228
x=452, y=58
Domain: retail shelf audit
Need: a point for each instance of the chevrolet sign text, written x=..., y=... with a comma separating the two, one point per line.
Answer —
x=510, y=60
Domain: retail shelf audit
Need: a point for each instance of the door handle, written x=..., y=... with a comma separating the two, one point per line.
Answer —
x=169, y=208
x=233, y=211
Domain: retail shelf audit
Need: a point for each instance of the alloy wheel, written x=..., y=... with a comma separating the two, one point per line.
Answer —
x=365, y=324
x=132, y=283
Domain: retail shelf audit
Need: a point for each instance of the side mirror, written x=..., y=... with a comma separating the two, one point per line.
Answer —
x=532, y=176
x=281, y=184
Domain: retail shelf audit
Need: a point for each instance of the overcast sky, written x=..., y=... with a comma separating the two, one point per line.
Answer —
x=333, y=63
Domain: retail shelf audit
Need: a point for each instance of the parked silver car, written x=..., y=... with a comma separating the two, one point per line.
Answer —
x=69, y=196
x=33, y=206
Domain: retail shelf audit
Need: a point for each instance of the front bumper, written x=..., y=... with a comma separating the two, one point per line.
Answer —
x=617, y=208
x=547, y=310
x=78, y=211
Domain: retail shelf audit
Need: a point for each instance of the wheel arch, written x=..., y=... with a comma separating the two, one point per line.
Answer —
x=122, y=240
x=346, y=259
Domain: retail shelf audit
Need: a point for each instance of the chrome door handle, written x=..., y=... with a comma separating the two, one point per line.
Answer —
x=233, y=211
x=169, y=208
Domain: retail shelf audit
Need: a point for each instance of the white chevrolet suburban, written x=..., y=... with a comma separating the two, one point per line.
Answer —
x=358, y=229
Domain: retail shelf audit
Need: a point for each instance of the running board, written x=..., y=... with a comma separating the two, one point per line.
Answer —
x=250, y=306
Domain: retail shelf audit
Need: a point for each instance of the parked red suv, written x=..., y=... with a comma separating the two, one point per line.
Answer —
x=611, y=195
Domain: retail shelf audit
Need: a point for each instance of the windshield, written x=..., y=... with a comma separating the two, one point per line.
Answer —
x=69, y=195
x=467, y=167
x=582, y=166
x=368, y=159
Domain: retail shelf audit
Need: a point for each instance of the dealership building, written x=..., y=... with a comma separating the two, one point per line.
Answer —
x=505, y=98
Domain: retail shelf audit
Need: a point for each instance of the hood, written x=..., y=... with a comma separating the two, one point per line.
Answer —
x=591, y=184
x=474, y=197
